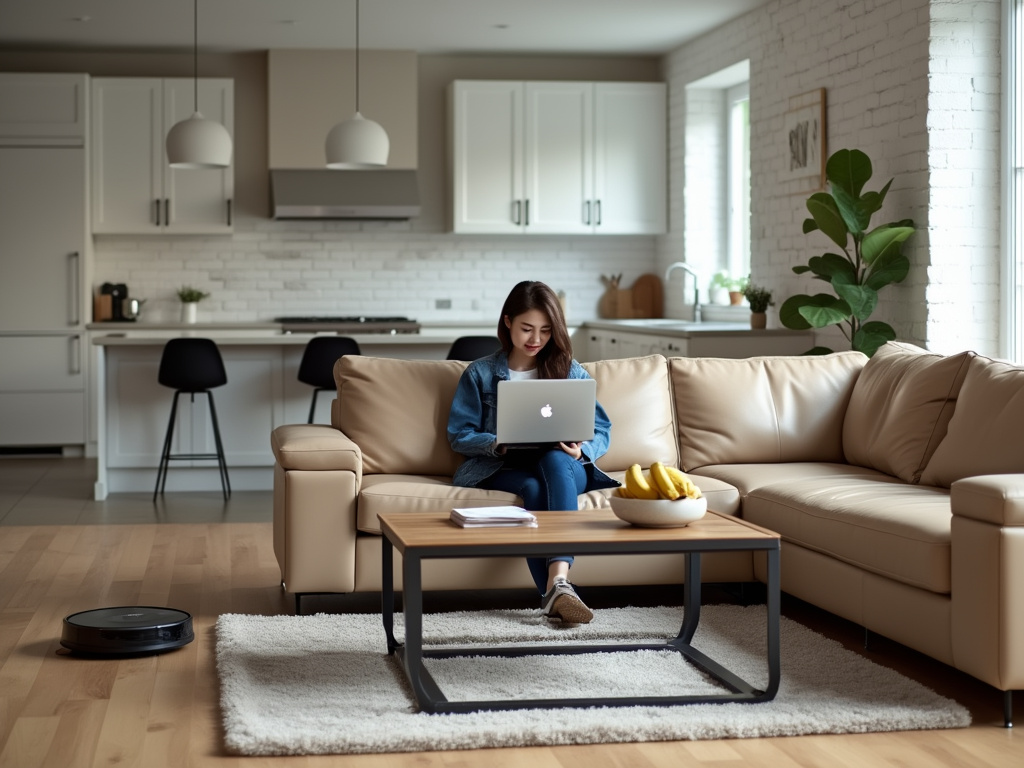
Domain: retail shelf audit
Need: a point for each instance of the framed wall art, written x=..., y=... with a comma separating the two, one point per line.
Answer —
x=804, y=134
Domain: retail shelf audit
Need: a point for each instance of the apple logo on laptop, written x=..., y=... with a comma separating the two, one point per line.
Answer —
x=546, y=411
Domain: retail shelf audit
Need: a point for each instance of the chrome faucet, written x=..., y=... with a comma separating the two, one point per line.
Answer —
x=696, y=284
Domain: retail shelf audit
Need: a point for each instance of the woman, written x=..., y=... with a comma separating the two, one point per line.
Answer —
x=534, y=345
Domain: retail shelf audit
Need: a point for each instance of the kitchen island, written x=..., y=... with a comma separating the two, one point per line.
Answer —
x=130, y=409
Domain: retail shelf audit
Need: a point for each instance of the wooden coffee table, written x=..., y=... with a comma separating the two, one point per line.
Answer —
x=423, y=535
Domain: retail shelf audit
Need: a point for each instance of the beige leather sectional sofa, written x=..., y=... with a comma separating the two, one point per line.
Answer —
x=897, y=484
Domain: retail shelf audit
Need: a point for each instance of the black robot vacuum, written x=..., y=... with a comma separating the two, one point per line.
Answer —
x=127, y=630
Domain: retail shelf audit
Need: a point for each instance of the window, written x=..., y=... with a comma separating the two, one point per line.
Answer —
x=1013, y=184
x=738, y=104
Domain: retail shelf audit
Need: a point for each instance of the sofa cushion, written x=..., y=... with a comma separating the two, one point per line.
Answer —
x=878, y=523
x=747, y=477
x=417, y=493
x=635, y=393
x=900, y=408
x=762, y=409
x=397, y=412
x=984, y=435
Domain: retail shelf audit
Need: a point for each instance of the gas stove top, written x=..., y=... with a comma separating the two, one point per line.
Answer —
x=347, y=324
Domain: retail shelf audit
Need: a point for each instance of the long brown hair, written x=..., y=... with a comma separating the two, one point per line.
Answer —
x=555, y=359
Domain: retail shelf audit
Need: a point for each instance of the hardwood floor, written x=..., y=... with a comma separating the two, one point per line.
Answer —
x=61, y=553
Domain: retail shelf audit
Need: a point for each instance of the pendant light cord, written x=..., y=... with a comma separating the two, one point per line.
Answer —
x=195, y=55
x=357, y=55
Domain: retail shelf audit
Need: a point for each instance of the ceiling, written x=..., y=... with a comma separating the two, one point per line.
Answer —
x=581, y=27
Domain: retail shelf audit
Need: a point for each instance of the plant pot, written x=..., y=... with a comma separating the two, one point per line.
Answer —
x=735, y=298
x=189, y=311
x=758, y=320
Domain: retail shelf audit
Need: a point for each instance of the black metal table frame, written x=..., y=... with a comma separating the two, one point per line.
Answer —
x=431, y=699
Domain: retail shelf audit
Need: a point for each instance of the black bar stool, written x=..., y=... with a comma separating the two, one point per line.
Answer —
x=192, y=366
x=317, y=366
x=470, y=348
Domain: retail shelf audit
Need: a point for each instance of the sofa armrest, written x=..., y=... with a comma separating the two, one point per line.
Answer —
x=317, y=476
x=987, y=561
x=996, y=499
x=315, y=447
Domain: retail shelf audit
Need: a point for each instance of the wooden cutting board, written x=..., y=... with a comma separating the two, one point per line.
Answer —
x=648, y=296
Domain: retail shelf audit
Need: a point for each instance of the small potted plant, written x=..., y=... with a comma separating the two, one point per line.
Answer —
x=759, y=299
x=724, y=283
x=190, y=298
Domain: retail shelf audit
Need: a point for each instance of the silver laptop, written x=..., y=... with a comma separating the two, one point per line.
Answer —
x=539, y=411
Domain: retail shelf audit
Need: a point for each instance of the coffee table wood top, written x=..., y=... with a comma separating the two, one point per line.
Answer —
x=591, y=527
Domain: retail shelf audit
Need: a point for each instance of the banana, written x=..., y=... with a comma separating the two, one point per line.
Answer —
x=663, y=482
x=638, y=485
x=683, y=483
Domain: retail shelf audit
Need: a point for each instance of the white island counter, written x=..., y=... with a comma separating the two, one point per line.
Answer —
x=131, y=409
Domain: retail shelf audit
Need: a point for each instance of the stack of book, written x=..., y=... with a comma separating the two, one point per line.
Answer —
x=494, y=517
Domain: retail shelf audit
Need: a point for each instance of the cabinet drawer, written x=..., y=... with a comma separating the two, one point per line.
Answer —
x=42, y=363
x=42, y=418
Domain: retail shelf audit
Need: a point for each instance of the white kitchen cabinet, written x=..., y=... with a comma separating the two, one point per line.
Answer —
x=43, y=107
x=557, y=157
x=607, y=344
x=134, y=190
x=42, y=390
x=43, y=290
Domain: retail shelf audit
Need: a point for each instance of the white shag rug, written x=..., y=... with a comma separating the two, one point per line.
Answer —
x=323, y=684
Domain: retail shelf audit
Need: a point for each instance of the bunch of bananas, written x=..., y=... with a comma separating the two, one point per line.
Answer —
x=660, y=482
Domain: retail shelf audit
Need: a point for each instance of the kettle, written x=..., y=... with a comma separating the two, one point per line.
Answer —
x=131, y=308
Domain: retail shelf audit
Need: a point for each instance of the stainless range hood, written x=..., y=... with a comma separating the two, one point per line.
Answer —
x=330, y=194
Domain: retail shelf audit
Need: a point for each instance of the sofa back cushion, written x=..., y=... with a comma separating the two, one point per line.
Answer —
x=762, y=409
x=636, y=395
x=900, y=408
x=984, y=435
x=397, y=412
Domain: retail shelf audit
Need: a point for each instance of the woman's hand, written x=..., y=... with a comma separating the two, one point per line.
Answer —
x=573, y=449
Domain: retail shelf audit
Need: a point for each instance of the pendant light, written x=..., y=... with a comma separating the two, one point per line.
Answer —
x=357, y=142
x=198, y=142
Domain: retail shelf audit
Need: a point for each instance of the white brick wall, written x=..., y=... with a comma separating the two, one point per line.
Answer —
x=915, y=84
x=273, y=268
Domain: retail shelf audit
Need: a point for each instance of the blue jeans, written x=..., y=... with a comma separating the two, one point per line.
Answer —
x=552, y=482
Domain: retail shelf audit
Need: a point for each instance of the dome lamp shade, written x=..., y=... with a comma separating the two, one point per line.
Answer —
x=198, y=143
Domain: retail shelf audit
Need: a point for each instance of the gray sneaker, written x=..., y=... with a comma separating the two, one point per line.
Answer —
x=562, y=602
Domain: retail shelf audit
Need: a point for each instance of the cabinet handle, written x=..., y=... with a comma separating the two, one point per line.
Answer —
x=597, y=209
x=526, y=207
x=586, y=212
x=517, y=212
x=229, y=211
x=75, y=355
x=167, y=211
x=75, y=305
x=156, y=212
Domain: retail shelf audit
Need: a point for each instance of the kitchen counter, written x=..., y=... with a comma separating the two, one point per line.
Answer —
x=685, y=329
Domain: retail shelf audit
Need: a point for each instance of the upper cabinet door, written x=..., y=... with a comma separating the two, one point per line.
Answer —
x=630, y=164
x=46, y=109
x=198, y=201
x=134, y=191
x=558, y=152
x=127, y=154
x=486, y=145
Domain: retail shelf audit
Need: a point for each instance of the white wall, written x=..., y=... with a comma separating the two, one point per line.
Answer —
x=914, y=83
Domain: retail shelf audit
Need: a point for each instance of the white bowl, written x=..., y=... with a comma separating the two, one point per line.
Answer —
x=659, y=513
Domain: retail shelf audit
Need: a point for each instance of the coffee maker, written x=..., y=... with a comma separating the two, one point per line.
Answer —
x=117, y=293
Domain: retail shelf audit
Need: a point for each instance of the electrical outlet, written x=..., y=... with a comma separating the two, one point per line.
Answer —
x=442, y=304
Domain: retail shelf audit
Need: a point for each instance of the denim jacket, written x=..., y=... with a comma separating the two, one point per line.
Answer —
x=472, y=424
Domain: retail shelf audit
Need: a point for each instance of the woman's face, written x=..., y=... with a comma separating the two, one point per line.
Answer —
x=530, y=331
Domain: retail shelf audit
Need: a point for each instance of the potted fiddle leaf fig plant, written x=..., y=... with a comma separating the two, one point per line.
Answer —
x=870, y=259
